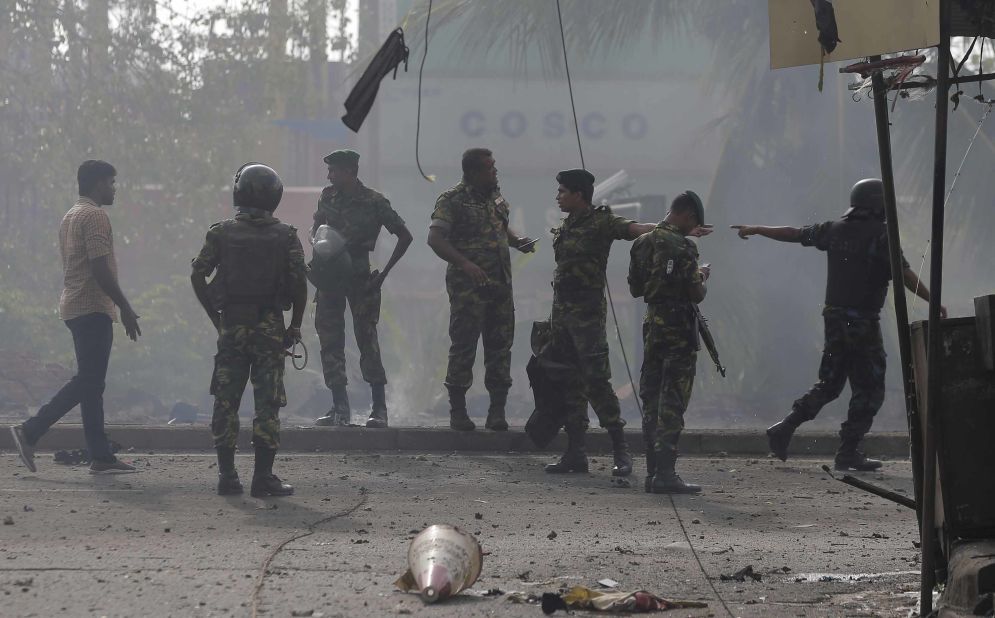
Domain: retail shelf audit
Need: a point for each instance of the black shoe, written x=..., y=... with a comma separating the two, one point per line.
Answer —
x=271, y=485
x=571, y=461
x=665, y=482
x=496, y=421
x=855, y=460
x=111, y=467
x=778, y=438
x=460, y=421
x=229, y=485
x=378, y=419
x=24, y=450
x=648, y=484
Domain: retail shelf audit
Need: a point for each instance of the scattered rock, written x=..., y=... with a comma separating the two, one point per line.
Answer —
x=552, y=533
x=9, y=521
x=742, y=574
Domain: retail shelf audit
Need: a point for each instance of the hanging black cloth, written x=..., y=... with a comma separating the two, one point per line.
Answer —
x=360, y=99
x=825, y=21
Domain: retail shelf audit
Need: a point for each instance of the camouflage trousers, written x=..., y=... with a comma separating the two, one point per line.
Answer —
x=578, y=330
x=249, y=351
x=480, y=313
x=667, y=377
x=854, y=352
x=329, y=321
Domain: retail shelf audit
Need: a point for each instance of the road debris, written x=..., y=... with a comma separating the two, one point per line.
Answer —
x=442, y=561
x=742, y=574
x=639, y=601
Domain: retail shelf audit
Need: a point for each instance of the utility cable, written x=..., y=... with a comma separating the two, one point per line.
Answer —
x=618, y=331
x=421, y=69
x=570, y=87
x=698, y=560
x=946, y=201
x=311, y=529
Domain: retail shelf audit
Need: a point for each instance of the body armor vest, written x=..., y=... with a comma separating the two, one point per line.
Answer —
x=254, y=264
x=859, y=270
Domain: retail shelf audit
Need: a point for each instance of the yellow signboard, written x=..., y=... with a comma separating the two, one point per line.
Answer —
x=866, y=28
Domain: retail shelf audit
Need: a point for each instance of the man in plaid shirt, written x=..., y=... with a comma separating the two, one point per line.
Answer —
x=87, y=306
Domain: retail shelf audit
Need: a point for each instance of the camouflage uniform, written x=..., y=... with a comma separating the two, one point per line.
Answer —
x=250, y=346
x=581, y=246
x=477, y=227
x=663, y=267
x=358, y=216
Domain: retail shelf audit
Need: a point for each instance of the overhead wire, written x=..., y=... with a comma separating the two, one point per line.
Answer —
x=421, y=69
x=618, y=331
x=570, y=87
x=950, y=191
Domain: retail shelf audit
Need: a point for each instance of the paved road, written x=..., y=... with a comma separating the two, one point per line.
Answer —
x=161, y=543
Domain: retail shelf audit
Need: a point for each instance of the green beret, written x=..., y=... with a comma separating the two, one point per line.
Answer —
x=691, y=198
x=346, y=158
x=575, y=178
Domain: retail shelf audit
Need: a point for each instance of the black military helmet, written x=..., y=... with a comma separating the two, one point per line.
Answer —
x=257, y=186
x=867, y=199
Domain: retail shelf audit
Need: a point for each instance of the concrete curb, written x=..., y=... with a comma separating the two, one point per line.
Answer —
x=310, y=439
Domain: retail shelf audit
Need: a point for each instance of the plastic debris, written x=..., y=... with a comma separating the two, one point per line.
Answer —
x=442, y=561
x=639, y=601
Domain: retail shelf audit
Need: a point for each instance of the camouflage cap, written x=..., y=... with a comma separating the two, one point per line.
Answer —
x=692, y=198
x=575, y=179
x=345, y=157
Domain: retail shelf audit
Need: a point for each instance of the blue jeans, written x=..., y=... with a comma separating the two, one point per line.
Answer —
x=93, y=335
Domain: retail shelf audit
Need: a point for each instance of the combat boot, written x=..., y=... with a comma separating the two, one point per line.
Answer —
x=495, y=413
x=848, y=457
x=458, y=418
x=855, y=460
x=666, y=479
x=228, y=482
x=620, y=453
x=574, y=459
x=338, y=416
x=264, y=482
x=650, y=468
x=378, y=415
x=779, y=434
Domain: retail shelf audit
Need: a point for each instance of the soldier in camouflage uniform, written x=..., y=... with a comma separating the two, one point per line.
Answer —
x=357, y=212
x=664, y=271
x=856, y=287
x=469, y=230
x=581, y=246
x=260, y=273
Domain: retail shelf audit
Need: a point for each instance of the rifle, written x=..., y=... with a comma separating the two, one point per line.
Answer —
x=706, y=336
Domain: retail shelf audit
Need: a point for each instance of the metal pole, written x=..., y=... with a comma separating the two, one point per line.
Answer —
x=898, y=283
x=934, y=378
